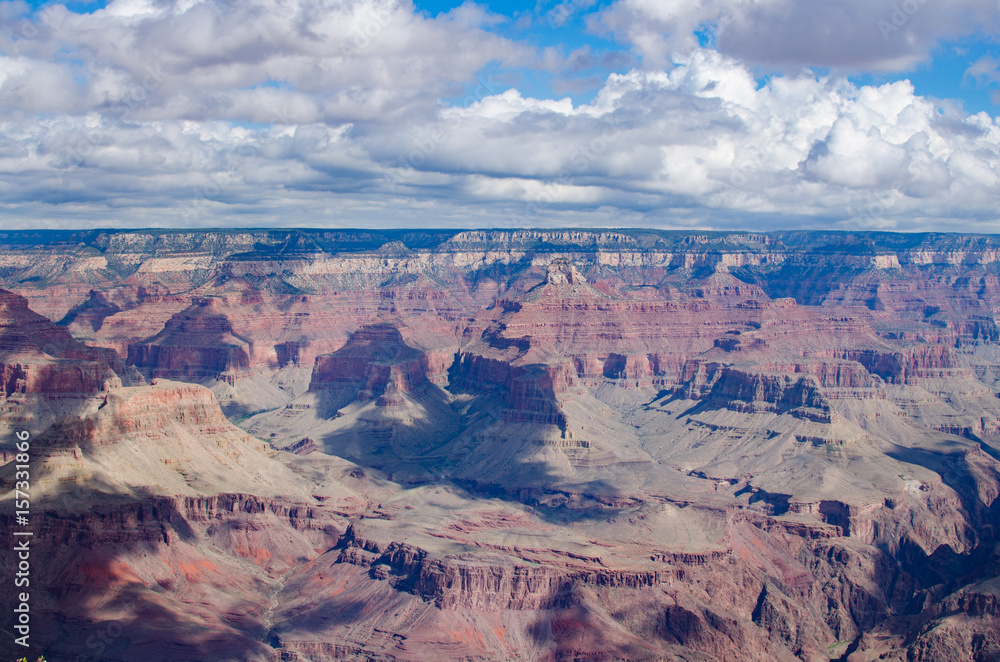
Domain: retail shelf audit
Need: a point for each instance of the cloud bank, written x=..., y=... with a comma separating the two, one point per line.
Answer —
x=322, y=112
x=848, y=34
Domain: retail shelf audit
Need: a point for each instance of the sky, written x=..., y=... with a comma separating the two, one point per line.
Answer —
x=675, y=114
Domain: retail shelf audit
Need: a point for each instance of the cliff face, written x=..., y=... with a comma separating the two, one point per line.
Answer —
x=529, y=393
x=908, y=365
x=530, y=445
x=36, y=356
x=374, y=359
x=148, y=497
x=751, y=391
x=196, y=343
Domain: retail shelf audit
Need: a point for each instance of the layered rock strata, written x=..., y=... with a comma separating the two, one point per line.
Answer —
x=195, y=344
x=559, y=445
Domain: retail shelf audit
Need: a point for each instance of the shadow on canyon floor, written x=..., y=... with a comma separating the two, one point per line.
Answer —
x=944, y=570
x=89, y=600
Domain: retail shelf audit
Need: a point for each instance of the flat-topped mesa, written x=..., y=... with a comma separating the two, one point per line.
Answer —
x=195, y=344
x=753, y=389
x=905, y=366
x=36, y=356
x=375, y=361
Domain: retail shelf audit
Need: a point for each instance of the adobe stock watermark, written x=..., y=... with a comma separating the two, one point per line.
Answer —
x=21, y=542
x=371, y=24
x=221, y=6
x=757, y=158
x=565, y=11
x=878, y=204
x=898, y=17
x=72, y=499
x=97, y=643
x=425, y=144
x=367, y=25
x=83, y=142
x=727, y=15
x=218, y=183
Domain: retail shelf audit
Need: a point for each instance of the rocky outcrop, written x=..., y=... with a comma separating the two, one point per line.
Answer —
x=158, y=519
x=151, y=411
x=375, y=358
x=303, y=446
x=90, y=314
x=779, y=388
x=36, y=356
x=196, y=344
x=631, y=445
x=531, y=397
x=453, y=583
x=743, y=390
x=529, y=392
x=905, y=366
x=827, y=374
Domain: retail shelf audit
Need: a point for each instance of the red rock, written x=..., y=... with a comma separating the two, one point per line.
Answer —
x=196, y=344
x=706, y=446
x=909, y=365
x=374, y=359
x=36, y=356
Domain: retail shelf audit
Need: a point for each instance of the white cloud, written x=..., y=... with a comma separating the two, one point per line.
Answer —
x=198, y=59
x=845, y=34
x=277, y=111
x=985, y=70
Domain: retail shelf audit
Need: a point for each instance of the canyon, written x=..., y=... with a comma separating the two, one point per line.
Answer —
x=308, y=445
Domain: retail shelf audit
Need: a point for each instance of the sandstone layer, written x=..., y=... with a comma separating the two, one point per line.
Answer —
x=507, y=445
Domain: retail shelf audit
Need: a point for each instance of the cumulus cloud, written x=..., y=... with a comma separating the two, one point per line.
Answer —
x=985, y=70
x=845, y=34
x=705, y=135
x=315, y=112
x=296, y=61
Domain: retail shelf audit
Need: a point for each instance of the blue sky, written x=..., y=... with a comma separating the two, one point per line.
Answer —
x=544, y=25
x=563, y=25
x=753, y=114
x=944, y=77
x=941, y=75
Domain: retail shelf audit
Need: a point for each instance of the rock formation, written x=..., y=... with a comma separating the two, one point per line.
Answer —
x=89, y=315
x=196, y=343
x=507, y=445
x=36, y=356
x=374, y=360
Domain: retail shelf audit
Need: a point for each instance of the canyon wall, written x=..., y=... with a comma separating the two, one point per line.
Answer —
x=507, y=445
